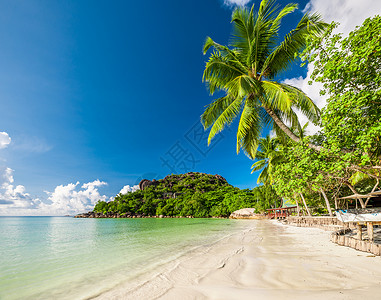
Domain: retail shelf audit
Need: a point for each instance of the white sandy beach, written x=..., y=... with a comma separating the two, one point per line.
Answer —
x=266, y=260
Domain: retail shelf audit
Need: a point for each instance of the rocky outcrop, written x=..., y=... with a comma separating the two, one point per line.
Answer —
x=246, y=213
x=92, y=214
x=172, y=180
x=144, y=183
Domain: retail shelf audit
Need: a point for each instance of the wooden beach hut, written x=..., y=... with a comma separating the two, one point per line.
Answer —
x=280, y=212
x=363, y=216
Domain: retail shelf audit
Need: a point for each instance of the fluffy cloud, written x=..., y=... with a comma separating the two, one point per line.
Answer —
x=313, y=91
x=5, y=140
x=349, y=13
x=236, y=2
x=14, y=197
x=129, y=189
x=69, y=199
x=65, y=199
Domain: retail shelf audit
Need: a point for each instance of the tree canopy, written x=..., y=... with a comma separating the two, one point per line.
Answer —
x=350, y=159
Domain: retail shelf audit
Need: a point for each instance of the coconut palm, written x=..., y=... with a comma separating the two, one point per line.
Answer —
x=246, y=69
x=268, y=156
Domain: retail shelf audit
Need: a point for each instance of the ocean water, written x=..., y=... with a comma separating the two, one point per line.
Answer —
x=68, y=258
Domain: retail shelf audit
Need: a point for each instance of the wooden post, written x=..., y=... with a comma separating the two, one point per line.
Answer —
x=359, y=231
x=297, y=206
x=369, y=227
x=305, y=205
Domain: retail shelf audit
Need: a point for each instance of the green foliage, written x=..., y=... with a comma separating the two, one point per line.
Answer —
x=245, y=71
x=350, y=69
x=198, y=195
x=268, y=156
x=350, y=157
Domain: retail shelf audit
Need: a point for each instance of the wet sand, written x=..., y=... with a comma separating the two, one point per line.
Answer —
x=265, y=260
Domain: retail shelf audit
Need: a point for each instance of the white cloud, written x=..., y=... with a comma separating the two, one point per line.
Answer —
x=313, y=91
x=65, y=199
x=5, y=140
x=349, y=13
x=129, y=189
x=236, y=2
x=14, y=196
x=69, y=199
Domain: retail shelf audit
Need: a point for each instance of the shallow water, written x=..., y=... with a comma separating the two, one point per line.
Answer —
x=67, y=258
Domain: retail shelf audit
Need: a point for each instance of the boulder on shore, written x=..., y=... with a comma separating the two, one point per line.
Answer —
x=245, y=213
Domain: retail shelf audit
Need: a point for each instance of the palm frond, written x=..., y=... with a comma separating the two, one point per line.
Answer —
x=264, y=176
x=294, y=42
x=258, y=165
x=225, y=118
x=243, y=22
x=303, y=102
x=220, y=71
x=276, y=96
x=230, y=54
x=249, y=129
x=242, y=86
x=214, y=110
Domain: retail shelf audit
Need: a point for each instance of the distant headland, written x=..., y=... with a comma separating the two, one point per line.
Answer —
x=184, y=195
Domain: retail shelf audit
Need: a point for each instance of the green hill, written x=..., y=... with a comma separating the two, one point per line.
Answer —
x=190, y=194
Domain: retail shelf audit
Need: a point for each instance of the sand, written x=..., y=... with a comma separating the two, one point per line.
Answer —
x=265, y=260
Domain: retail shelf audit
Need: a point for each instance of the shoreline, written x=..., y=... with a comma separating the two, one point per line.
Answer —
x=264, y=260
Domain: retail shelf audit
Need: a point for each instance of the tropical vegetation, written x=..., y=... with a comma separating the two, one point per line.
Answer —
x=191, y=194
x=344, y=158
x=349, y=160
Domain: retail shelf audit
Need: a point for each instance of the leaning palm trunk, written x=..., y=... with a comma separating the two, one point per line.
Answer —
x=327, y=202
x=287, y=130
x=305, y=205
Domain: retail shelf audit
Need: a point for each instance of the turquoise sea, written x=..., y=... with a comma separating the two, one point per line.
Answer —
x=68, y=258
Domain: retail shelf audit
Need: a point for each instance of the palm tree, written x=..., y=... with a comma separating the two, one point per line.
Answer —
x=267, y=155
x=246, y=69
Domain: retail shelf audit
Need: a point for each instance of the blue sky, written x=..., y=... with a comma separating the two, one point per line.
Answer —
x=109, y=91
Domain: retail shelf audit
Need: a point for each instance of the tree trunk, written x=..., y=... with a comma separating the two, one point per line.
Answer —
x=305, y=205
x=374, y=188
x=287, y=130
x=356, y=193
x=336, y=206
x=297, y=206
x=326, y=202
